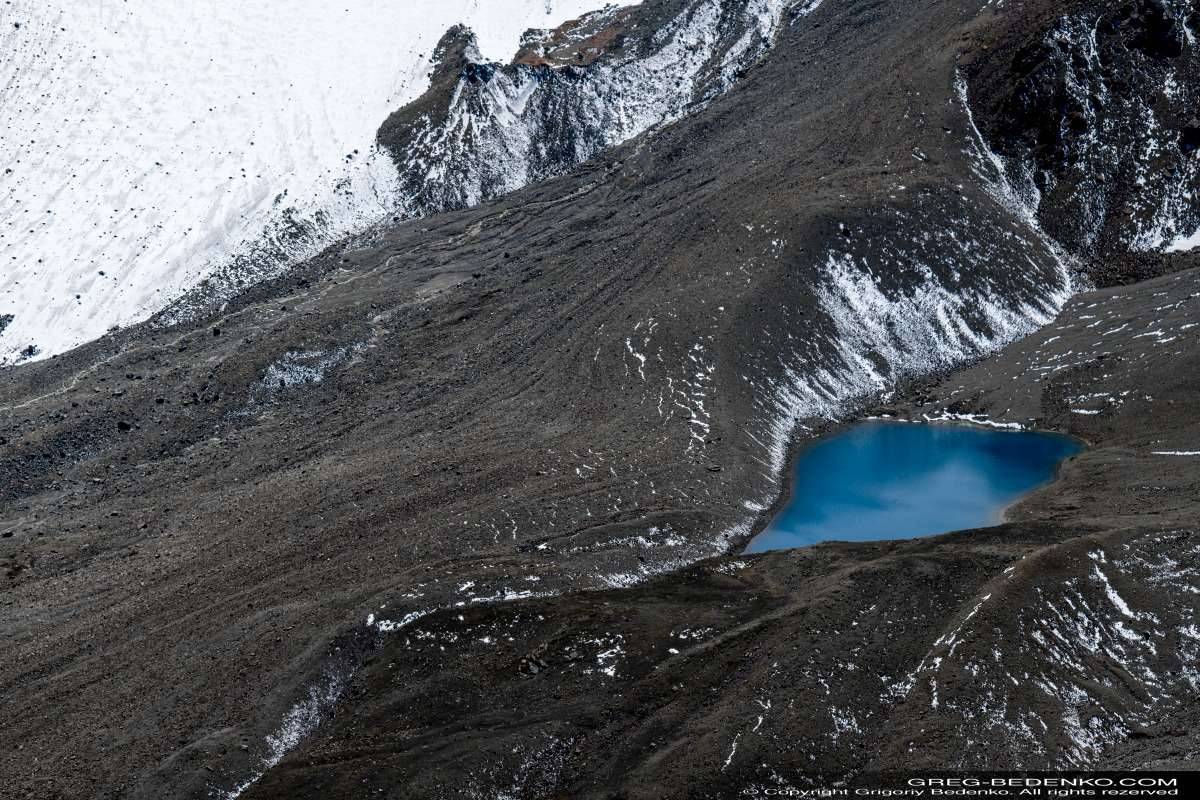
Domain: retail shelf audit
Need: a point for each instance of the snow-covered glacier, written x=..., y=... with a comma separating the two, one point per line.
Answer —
x=147, y=143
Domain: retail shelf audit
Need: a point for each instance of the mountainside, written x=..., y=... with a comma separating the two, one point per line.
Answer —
x=148, y=149
x=428, y=512
x=1095, y=113
x=1063, y=639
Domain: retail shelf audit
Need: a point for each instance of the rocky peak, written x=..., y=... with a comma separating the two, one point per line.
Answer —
x=578, y=42
x=484, y=129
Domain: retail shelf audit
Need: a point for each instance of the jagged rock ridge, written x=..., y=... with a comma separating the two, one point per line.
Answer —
x=485, y=129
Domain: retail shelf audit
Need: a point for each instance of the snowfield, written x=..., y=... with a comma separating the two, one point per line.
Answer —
x=146, y=144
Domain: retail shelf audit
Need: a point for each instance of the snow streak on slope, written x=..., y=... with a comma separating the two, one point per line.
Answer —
x=146, y=144
x=904, y=303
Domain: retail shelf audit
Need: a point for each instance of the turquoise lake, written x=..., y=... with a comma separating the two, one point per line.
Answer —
x=881, y=480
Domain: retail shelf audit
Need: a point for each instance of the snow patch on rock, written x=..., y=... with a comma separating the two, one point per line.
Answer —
x=509, y=126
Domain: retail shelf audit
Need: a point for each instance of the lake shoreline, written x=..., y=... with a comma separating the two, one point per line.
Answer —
x=886, y=467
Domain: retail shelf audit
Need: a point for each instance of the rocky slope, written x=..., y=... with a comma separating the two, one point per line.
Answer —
x=1064, y=639
x=1094, y=110
x=220, y=533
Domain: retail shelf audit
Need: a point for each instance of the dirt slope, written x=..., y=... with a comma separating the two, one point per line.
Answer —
x=210, y=527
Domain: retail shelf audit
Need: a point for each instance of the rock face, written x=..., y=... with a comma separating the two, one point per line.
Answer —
x=485, y=129
x=226, y=557
x=1095, y=113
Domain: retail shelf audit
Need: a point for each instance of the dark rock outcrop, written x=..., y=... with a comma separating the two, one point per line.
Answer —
x=1094, y=109
x=485, y=129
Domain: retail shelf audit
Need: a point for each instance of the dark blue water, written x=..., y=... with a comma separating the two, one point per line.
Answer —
x=882, y=480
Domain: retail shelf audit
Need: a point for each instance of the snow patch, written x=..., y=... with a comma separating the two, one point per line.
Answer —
x=300, y=721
